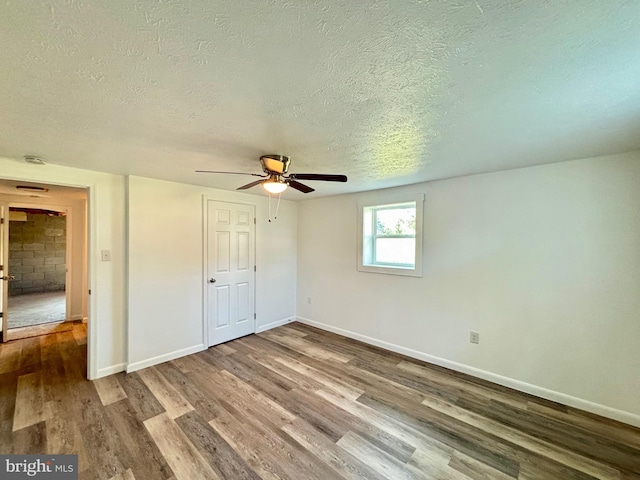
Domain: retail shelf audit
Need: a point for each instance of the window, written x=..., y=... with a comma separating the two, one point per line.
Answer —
x=390, y=236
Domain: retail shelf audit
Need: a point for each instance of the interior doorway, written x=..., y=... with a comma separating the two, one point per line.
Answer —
x=38, y=264
x=44, y=259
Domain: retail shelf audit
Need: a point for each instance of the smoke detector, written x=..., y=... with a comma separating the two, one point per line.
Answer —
x=35, y=160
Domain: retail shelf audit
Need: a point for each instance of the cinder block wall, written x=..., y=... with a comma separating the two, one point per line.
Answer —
x=37, y=254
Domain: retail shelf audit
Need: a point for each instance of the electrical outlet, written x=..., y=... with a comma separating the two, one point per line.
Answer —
x=474, y=337
x=309, y=300
x=106, y=255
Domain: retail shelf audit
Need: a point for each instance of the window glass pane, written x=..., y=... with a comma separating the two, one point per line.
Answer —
x=396, y=221
x=395, y=250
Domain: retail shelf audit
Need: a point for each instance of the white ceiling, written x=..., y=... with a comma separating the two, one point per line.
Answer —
x=387, y=92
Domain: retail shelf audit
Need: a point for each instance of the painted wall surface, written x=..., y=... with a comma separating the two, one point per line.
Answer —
x=165, y=296
x=543, y=262
x=106, y=232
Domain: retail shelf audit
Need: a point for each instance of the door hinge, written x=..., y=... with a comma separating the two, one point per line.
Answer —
x=254, y=220
x=254, y=316
x=254, y=268
x=89, y=291
x=2, y=220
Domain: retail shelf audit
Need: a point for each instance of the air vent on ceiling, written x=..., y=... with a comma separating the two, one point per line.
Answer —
x=31, y=188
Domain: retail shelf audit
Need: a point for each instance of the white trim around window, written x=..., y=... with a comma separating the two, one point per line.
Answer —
x=369, y=235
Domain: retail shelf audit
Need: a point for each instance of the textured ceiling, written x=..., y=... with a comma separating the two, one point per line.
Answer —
x=387, y=92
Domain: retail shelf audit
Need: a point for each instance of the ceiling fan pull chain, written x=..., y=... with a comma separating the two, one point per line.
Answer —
x=278, y=206
x=269, y=193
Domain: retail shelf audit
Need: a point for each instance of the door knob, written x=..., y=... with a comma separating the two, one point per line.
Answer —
x=212, y=280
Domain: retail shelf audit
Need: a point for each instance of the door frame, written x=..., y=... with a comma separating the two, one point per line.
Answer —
x=68, y=209
x=205, y=263
x=4, y=259
x=91, y=270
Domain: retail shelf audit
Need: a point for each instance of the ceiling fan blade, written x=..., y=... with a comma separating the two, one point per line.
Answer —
x=249, y=185
x=299, y=186
x=319, y=176
x=233, y=173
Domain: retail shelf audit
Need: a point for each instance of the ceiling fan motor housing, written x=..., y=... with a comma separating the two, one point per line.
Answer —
x=278, y=164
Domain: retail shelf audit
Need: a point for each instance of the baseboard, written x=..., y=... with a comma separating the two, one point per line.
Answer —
x=277, y=323
x=575, y=402
x=106, y=371
x=77, y=317
x=132, y=367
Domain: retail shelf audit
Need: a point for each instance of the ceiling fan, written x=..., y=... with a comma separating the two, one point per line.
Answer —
x=275, y=178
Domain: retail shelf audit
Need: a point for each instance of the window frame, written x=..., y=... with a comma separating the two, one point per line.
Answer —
x=366, y=238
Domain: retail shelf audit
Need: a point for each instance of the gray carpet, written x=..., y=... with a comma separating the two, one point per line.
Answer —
x=36, y=308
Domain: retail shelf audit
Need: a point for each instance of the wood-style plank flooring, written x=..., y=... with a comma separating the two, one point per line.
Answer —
x=294, y=403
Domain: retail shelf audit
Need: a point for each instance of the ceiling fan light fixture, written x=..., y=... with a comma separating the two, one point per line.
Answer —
x=276, y=178
x=274, y=186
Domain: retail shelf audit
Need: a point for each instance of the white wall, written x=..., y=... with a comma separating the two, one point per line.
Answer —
x=544, y=262
x=77, y=286
x=106, y=232
x=166, y=270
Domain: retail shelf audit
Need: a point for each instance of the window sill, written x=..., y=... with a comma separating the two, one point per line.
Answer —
x=407, y=272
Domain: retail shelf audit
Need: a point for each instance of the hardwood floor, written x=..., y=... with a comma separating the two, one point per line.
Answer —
x=38, y=330
x=294, y=402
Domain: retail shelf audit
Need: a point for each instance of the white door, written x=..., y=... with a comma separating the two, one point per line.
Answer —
x=230, y=271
